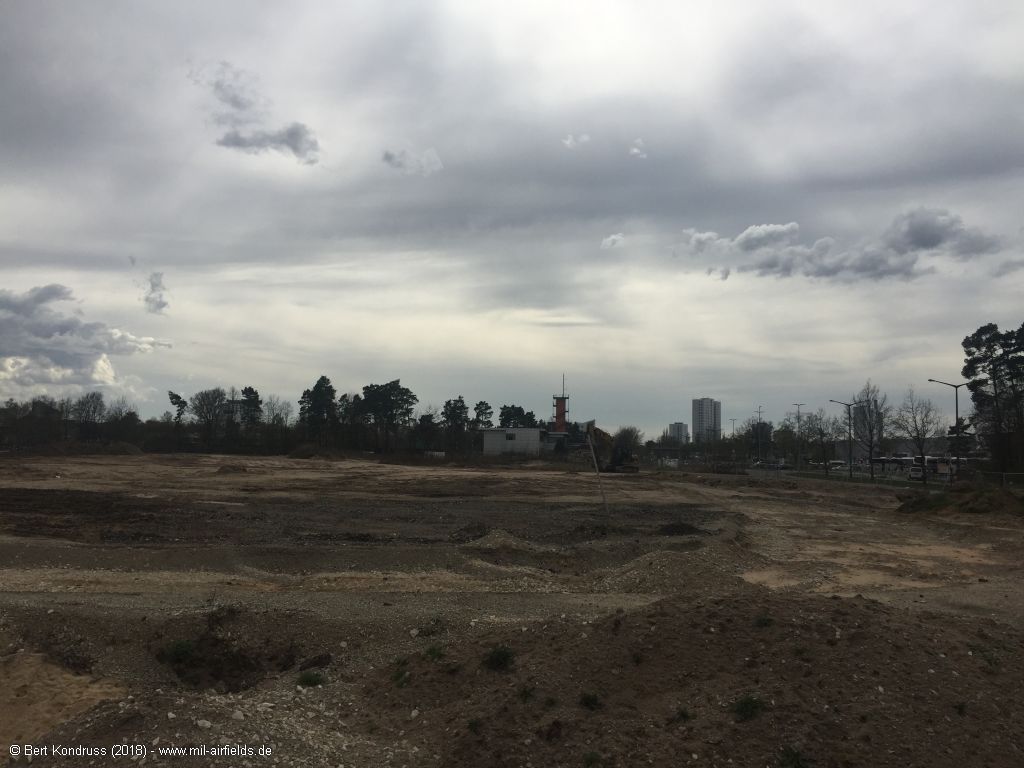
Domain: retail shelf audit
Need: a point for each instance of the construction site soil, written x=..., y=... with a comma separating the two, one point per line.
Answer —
x=355, y=613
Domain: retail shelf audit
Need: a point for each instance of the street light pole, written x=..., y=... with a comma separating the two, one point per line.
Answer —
x=956, y=416
x=759, y=432
x=798, y=434
x=849, y=432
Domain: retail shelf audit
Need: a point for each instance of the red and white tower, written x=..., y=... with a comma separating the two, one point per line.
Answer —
x=561, y=409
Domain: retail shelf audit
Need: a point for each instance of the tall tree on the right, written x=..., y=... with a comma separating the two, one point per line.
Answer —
x=994, y=369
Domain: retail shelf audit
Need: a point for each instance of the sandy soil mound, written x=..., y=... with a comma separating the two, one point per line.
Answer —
x=37, y=695
x=744, y=681
x=498, y=540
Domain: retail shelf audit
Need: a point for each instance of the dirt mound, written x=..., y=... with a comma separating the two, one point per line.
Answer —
x=498, y=540
x=964, y=499
x=752, y=680
x=232, y=469
x=310, y=451
x=37, y=695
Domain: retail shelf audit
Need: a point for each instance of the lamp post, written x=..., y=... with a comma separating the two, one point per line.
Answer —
x=798, y=434
x=956, y=416
x=759, y=408
x=849, y=431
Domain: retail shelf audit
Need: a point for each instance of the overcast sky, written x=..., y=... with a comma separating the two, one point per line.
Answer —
x=762, y=203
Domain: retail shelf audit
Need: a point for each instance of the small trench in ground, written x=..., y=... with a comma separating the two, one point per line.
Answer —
x=217, y=659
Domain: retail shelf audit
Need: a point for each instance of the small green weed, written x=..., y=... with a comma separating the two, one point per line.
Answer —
x=792, y=757
x=681, y=715
x=591, y=701
x=179, y=651
x=591, y=759
x=526, y=692
x=475, y=726
x=434, y=652
x=747, y=708
x=499, y=659
x=763, y=621
x=311, y=678
x=401, y=676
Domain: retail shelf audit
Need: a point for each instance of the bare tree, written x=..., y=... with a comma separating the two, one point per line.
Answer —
x=822, y=430
x=206, y=406
x=870, y=419
x=277, y=411
x=119, y=409
x=918, y=420
x=88, y=411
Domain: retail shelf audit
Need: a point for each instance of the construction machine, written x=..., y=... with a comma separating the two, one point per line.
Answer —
x=611, y=455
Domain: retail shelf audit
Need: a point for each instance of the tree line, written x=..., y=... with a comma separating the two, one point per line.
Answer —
x=380, y=418
x=383, y=418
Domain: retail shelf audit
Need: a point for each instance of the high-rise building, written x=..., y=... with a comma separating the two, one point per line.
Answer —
x=707, y=419
x=679, y=431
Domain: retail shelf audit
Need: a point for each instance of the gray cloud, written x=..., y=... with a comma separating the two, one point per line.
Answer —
x=41, y=345
x=241, y=106
x=412, y=163
x=1008, y=268
x=764, y=235
x=236, y=91
x=154, y=298
x=773, y=249
x=296, y=138
x=931, y=229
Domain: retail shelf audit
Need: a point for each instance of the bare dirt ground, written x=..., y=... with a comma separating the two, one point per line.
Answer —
x=443, y=616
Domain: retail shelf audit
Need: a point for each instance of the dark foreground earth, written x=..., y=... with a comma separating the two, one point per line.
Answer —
x=354, y=613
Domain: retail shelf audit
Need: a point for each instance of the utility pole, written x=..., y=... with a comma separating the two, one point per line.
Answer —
x=798, y=434
x=849, y=431
x=956, y=412
x=759, y=408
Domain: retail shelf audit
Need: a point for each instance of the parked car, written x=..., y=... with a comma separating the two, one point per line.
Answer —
x=916, y=472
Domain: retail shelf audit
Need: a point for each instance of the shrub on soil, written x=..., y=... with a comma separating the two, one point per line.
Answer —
x=311, y=678
x=499, y=659
x=747, y=708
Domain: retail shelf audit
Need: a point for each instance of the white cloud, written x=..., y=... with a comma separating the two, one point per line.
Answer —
x=612, y=241
x=572, y=142
x=638, y=150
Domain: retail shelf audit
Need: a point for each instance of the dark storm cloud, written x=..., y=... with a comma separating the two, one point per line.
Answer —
x=39, y=344
x=296, y=138
x=931, y=229
x=154, y=298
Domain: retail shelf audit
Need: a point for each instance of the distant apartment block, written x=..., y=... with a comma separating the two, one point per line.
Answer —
x=679, y=431
x=707, y=419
